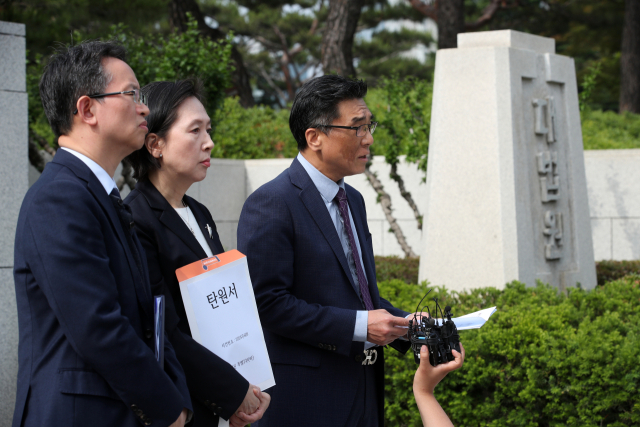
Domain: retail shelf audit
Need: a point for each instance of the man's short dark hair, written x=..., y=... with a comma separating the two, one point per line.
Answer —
x=164, y=100
x=72, y=72
x=316, y=104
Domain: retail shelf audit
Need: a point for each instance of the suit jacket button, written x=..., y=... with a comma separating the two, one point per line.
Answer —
x=359, y=358
x=134, y=406
x=147, y=422
x=334, y=348
x=321, y=345
x=207, y=402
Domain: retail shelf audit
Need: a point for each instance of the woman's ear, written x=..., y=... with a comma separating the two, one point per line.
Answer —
x=154, y=144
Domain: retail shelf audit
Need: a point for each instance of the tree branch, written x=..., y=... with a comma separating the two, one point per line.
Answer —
x=487, y=15
x=126, y=177
x=385, y=201
x=406, y=194
x=281, y=95
x=35, y=157
x=428, y=10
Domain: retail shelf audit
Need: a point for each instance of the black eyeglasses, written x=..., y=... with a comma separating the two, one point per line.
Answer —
x=138, y=97
x=360, y=130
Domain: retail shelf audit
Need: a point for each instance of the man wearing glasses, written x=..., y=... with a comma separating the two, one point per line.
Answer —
x=311, y=262
x=85, y=309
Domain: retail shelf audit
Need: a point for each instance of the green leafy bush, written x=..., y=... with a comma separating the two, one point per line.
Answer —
x=393, y=267
x=544, y=359
x=152, y=57
x=252, y=133
x=608, y=271
x=403, y=110
x=603, y=130
x=406, y=269
x=179, y=56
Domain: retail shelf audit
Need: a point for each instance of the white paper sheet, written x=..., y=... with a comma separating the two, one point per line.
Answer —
x=473, y=320
x=229, y=326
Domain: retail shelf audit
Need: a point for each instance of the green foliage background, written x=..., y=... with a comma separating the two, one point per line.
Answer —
x=153, y=57
x=543, y=359
x=403, y=109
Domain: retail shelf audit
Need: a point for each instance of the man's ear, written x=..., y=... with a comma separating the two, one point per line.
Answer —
x=154, y=144
x=315, y=138
x=85, y=112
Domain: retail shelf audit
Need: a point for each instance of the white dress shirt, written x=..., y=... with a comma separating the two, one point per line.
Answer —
x=107, y=181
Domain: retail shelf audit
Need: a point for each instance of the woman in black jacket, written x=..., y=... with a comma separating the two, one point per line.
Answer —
x=176, y=230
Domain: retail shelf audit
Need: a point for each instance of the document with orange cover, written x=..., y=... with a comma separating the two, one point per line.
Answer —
x=223, y=316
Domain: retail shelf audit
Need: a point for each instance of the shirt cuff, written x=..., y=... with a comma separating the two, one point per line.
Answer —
x=360, y=331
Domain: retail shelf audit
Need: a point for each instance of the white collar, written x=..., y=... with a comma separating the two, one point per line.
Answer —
x=327, y=187
x=107, y=182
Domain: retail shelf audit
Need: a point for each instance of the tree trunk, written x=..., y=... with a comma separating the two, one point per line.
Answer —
x=178, y=10
x=450, y=15
x=630, y=59
x=337, y=40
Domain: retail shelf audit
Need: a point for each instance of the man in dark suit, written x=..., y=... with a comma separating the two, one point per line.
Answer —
x=311, y=262
x=85, y=308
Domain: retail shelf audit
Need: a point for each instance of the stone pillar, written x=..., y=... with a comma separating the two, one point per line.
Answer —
x=14, y=177
x=506, y=186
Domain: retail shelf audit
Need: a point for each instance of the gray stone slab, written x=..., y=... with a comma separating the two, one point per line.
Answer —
x=228, y=232
x=506, y=189
x=507, y=38
x=613, y=182
x=223, y=191
x=626, y=238
x=13, y=28
x=8, y=346
x=13, y=67
x=13, y=168
x=260, y=172
x=602, y=238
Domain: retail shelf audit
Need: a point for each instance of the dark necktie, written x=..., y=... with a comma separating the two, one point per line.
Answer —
x=126, y=219
x=343, y=205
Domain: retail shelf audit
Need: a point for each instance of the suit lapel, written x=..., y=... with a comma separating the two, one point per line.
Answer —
x=312, y=200
x=204, y=220
x=141, y=283
x=170, y=218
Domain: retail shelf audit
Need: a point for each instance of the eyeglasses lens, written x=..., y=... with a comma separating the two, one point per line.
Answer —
x=362, y=130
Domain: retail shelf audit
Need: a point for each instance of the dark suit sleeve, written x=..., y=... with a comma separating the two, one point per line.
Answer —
x=210, y=379
x=83, y=295
x=266, y=237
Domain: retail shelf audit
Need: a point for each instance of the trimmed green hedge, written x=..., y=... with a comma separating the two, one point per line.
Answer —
x=393, y=267
x=543, y=359
x=608, y=271
x=603, y=130
x=406, y=269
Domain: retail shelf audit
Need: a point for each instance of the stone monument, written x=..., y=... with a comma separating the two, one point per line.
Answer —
x=506, y=187
x=13, y=173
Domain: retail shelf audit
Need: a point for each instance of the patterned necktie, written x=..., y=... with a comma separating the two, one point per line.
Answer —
x=341, y=199
x=126, y=219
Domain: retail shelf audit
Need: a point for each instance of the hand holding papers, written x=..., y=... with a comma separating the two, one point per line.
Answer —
x=473, y=320
x=223, y=316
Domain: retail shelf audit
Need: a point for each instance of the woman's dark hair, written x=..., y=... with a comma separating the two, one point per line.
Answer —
x=72, y=72
x=316, y=104
x=164, y=100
